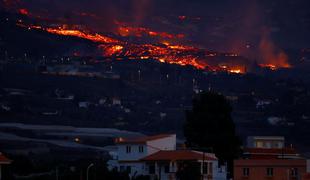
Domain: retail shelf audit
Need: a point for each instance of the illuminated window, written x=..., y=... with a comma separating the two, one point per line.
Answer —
x=259, y=144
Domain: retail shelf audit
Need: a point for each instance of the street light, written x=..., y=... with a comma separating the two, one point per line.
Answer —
x=91, y=165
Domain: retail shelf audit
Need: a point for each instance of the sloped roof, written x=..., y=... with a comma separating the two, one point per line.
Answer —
x=142, y=140
x=179, y=155
x=4, y=160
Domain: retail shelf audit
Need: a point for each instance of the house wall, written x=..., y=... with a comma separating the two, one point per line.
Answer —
x=219, y=173
x=136, y=168
x=134, y=154
x=258, y=168
x=168, y=143
x=216, y=174
x=150, y=147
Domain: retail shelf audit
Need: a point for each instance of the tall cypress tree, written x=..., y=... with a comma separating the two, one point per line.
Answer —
x=209, y=126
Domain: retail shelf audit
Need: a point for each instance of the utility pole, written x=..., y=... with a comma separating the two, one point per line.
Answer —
x=57, y=174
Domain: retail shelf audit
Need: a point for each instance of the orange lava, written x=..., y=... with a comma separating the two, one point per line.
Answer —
x=125, y=30
x=275, y=67
x=164, y=52
x=77, y=33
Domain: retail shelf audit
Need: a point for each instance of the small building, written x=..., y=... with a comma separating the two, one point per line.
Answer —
x=116, y=101
x=265, y=142
x=166, y=164
x=268, y=158
x=157, y=157
x=3, y=161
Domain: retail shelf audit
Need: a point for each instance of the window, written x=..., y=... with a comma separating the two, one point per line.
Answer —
x=246, y=171
x=210, y=168
x=141, y=149
x=128, y=149
x=259, y=144
x=128, y=169
x=269, y=171
x=167, y=168
x=294, y=172
x=205, y=168
x=152, y=169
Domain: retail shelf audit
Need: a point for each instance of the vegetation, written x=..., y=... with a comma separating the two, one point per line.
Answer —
x=209, y=127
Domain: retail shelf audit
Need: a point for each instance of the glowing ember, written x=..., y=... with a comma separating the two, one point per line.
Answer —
x=269, y=66
x=24, y=12
x=114, y=50
x=237, y=71
x=125, y=30
x=182, y=18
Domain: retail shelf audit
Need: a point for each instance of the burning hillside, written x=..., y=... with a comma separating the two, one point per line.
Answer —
x=163, y=52
x=137, y=41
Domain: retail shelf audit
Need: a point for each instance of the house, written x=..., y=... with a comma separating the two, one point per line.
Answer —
x=266, y=157
x=3, y=161
x=307, y=175
x=157, y=157
x=165, y=164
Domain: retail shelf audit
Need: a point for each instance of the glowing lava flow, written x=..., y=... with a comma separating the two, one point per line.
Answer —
x=125, y=31
x=77, y=33
x=274, y=67
x=163, y=52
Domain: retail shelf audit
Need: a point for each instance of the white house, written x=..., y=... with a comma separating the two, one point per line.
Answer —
x=3, y=161
x=157, y=157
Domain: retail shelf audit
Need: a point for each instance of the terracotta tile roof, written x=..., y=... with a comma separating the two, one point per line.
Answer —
x=179, y=155
x=4, y=160
x=142, y=140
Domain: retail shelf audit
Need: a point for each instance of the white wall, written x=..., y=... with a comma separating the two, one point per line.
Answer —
x=168, y=143
x=136, y=168
x=151, y=147
x=134, y=153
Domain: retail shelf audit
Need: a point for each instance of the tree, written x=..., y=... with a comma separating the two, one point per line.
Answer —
x=188, y=170
x=209, y=126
